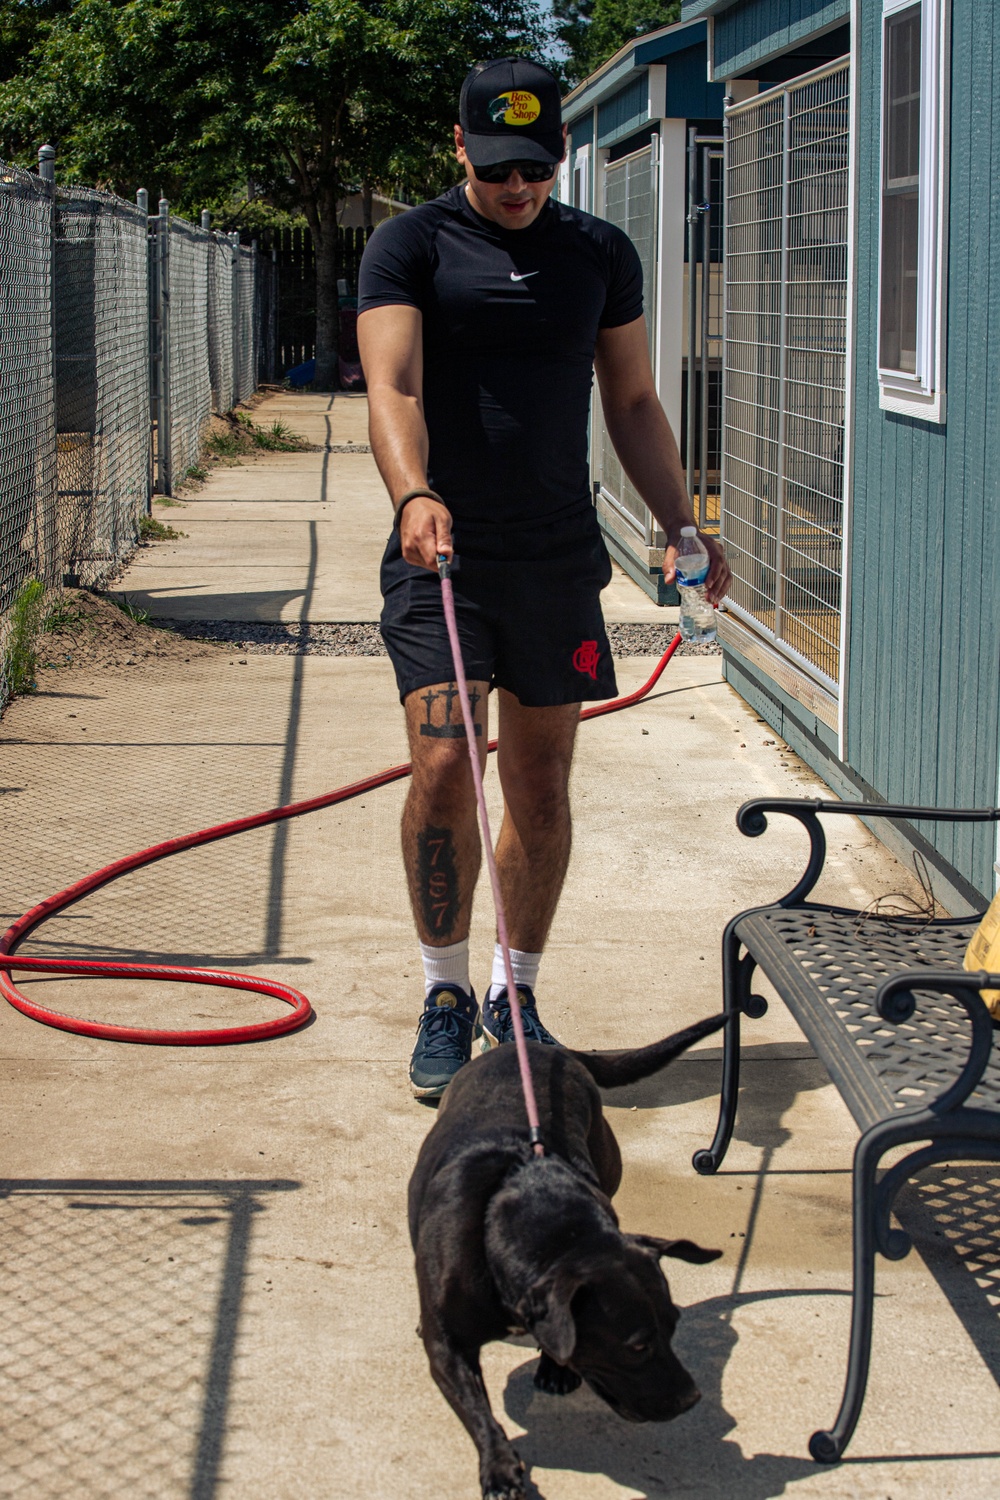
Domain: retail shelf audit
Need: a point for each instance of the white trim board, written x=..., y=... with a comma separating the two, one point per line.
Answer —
x=850, y=373
x=922, y=394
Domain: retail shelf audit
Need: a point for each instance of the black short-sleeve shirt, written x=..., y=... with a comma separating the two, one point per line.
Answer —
x=510, y=322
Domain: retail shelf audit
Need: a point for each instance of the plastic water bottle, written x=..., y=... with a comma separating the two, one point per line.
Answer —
x=697, y=621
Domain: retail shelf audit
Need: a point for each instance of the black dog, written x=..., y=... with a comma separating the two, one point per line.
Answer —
x=506, y=1241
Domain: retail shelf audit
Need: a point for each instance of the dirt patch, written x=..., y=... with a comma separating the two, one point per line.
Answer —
x=90, y=630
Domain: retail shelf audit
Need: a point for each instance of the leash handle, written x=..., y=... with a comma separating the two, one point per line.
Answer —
x=530, y=1104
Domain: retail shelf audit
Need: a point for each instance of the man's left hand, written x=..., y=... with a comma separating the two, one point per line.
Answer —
x=719, y=577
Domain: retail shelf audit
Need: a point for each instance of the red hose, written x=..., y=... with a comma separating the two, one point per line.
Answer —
x=300, y=1011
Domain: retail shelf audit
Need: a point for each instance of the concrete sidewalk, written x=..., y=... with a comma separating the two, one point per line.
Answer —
x=205, y=1276
x=295, y=536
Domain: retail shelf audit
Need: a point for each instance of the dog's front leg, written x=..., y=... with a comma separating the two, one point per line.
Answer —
x=460, y=1378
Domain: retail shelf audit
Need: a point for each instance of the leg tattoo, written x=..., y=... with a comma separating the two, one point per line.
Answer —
x=452, y=727
x=437, y=880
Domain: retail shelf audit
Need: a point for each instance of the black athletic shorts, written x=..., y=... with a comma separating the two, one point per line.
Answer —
x=528, y=609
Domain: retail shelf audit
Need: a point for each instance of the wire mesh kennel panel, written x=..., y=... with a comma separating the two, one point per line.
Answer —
x=630, y=201
x=786, y=329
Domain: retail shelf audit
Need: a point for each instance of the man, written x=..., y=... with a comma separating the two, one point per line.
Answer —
x=482, y=318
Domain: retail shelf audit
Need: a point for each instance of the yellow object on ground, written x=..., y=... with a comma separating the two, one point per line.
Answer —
x=984, y=952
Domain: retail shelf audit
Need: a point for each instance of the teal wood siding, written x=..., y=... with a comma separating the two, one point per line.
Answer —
x=624, y=113
x=756, y=30
x=582, y=130
x=923, y=720
x=690, y=96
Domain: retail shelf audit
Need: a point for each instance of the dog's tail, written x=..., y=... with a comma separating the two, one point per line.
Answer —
x=611, y=1070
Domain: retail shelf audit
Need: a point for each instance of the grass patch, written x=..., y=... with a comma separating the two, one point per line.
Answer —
x=278, y=438
x=133, y=611
x=227, y=444
x=243, y=436
x=196, y=472
x=168, y=502
x=20, y=659
x=65, y=614
x=152, y=530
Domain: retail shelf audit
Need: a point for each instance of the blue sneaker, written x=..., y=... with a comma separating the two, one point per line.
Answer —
x=445, y=1033
x=498, y=1026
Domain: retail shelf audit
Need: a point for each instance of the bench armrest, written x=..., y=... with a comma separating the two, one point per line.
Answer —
x=752, y=821
x=896, y=1002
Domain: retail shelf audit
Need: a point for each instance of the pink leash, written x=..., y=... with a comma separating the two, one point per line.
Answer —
x=531, y=1107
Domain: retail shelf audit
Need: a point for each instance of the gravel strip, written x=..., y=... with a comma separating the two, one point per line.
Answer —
x=316, y=638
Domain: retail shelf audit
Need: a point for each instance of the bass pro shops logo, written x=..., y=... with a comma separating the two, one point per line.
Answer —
x=515, y=107
x=585, y=658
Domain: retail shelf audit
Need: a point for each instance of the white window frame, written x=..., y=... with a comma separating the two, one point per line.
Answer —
x=922, y=394
x=563, y=189
x=581, y=164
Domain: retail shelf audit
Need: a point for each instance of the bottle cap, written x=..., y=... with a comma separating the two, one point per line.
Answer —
x=689, y=531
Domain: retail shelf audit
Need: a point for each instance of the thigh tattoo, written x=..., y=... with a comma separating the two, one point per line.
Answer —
x=451, y=726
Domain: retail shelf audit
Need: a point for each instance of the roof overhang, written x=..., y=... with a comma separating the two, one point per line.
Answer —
x=637, y=54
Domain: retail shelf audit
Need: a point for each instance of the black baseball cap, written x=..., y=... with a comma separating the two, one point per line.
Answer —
x=510, y=110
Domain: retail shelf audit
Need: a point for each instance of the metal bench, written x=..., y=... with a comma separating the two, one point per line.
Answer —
x=901, y=1029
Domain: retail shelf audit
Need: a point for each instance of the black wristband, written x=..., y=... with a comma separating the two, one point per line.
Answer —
x=405, y=500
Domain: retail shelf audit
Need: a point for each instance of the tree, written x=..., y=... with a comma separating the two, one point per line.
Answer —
x=592, y=30
x=306, y=98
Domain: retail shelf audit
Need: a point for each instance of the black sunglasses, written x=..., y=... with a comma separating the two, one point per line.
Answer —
x=531, y=171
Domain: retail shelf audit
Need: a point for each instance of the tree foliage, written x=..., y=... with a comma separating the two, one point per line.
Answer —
x=592, y=30
x=302, y=99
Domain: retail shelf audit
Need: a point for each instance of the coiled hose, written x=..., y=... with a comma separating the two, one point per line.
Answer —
x=300, y=1010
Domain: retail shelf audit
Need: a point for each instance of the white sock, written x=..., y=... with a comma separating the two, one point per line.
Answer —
x=446, y=966
x=525, y=966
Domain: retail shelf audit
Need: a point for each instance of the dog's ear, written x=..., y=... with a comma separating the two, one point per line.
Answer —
x=677, y=1249
x=546, y=1312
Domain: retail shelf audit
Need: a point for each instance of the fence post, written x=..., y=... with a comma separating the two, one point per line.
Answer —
x=47, y=534
x=142, y=204
x=272, y=332
x=255, y=304
x=163, y=414
x=234, y=240
x=206, y=219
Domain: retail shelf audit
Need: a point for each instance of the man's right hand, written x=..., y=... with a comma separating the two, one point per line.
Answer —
x=425, y=532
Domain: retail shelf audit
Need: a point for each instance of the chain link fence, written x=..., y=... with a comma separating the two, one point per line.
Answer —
x=120, y=334
x=244, y=323
x=27, y=414
x=221, y=257
x=189, y=382
x=100, y=311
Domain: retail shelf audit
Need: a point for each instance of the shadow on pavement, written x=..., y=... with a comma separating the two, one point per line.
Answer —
x=252, y=607
x=658, y=1460
x=120, y=1304
x=279, y=848
x=764, y=1100
x=952, y=1214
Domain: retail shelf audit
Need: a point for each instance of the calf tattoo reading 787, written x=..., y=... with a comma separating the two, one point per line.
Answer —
x=437, y=880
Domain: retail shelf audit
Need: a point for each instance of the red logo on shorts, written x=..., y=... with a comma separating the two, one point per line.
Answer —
x=585, y=658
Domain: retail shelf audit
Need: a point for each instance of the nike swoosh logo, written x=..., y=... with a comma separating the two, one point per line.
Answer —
x=522, y=275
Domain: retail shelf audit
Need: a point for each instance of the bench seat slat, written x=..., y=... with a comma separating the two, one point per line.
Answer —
x=827, y=966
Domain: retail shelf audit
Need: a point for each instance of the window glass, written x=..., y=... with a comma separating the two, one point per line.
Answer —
x=900, y=193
